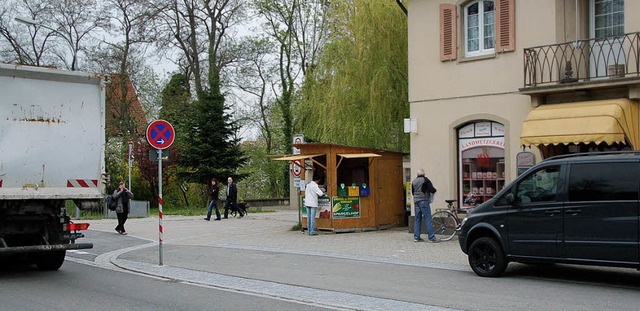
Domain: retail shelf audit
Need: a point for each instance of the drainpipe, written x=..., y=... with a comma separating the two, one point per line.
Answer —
x=404, y=9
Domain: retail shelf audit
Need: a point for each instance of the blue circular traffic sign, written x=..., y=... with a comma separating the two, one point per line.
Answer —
x=160, y=134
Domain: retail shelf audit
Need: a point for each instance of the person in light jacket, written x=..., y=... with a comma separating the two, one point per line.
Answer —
x=123, y=197
x=311, y=193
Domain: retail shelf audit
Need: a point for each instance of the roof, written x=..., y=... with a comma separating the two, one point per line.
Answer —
x=115, y=99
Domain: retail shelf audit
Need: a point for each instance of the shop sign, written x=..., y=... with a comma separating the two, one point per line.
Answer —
x=483, y=129
x=346, y=207
x=467, y=131
x=524, y=161
x=497, y=129
x=525, y=158
x=323, y=210
x=481, y=142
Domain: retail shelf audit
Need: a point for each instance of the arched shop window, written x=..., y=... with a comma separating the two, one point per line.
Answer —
x=481, y=162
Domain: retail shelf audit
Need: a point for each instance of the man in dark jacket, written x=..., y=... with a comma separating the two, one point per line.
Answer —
x=232, y=199
x=422, y=189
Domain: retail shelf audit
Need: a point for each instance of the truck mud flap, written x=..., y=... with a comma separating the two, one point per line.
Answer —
x=42, y=248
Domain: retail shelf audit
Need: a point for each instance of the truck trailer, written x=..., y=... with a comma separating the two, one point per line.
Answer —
x=52, y=145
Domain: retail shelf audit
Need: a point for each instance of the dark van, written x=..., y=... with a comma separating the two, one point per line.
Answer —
x=576, y=209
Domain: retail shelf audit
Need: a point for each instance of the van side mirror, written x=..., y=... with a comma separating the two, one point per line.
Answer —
x=510, y=199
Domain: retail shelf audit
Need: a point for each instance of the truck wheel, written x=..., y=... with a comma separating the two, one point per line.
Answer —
x=50, y=261
x=486, y=257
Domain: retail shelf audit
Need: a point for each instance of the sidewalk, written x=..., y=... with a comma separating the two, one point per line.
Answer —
x=272, y=231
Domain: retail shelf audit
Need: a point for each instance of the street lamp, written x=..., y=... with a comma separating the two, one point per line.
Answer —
x=32, y=22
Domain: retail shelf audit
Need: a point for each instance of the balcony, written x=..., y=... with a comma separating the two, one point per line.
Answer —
x=593, y=63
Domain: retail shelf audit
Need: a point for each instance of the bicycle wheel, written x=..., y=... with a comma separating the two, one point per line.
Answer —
x=444, y=225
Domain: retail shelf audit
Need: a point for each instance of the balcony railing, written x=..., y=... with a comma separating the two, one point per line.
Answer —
x=582, y=61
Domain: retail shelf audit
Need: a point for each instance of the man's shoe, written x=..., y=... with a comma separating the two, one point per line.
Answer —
x=436, y=240
x=207, y=219
x=418, y=240
x=217, y=219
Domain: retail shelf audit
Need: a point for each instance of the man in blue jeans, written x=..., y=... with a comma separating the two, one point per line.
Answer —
x=422, y=189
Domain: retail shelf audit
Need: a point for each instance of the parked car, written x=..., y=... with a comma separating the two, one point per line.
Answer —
x=575, y=209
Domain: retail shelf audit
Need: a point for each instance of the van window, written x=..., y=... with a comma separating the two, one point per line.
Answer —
x=603, y=181
x=541, y=186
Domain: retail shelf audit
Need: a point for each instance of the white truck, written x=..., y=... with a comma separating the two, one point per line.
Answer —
x=52, y=138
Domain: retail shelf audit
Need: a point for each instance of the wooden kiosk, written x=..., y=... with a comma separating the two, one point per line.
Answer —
x=364, y=186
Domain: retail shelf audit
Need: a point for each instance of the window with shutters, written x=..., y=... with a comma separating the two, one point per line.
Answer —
x=479, y=28
x=486, y=27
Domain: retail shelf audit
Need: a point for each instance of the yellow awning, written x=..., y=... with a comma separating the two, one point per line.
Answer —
x=609, y=121
x=359, y=155
x=293, y=157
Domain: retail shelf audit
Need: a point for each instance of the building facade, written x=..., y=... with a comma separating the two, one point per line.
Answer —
x=495, y=86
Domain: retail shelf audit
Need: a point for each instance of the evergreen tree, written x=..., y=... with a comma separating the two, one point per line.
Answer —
x=212, y=148
x=176, y=100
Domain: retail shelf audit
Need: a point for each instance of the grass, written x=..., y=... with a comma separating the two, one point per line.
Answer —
x=91, y=215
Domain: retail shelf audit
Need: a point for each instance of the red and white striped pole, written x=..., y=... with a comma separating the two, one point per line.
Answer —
x=160, y=204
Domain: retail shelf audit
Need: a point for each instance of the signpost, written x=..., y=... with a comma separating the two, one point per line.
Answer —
x=160, y=134
x=297, y=171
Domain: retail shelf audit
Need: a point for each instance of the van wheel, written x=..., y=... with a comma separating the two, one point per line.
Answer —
x=486, y=257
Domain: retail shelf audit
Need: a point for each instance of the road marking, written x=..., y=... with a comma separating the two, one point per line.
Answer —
x=75, y=251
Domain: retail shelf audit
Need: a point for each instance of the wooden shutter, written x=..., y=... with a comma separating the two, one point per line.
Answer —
x=448, y=48
x=505, y=25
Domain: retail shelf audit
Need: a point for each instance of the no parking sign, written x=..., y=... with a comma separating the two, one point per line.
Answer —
x=160, y=134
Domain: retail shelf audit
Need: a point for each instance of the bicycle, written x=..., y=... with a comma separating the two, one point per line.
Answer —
x=446, y=222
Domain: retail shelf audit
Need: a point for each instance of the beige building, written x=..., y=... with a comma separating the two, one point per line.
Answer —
x=491, y=79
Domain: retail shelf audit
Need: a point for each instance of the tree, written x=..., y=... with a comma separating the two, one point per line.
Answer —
x=298, y=30
x=254, y=76
x=200, y=31
x=357, y=94
x=28, y=50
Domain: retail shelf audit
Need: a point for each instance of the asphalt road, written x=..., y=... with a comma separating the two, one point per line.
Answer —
x=401, y=286
x=83, y=287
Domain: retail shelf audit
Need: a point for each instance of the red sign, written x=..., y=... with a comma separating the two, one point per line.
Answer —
x=160, y=134
x=295, y=168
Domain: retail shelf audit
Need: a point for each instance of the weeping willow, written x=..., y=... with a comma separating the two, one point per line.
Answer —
x=357, y=93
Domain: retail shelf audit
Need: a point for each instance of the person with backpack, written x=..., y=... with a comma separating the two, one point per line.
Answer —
x=123, y=197
x=423, y=190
